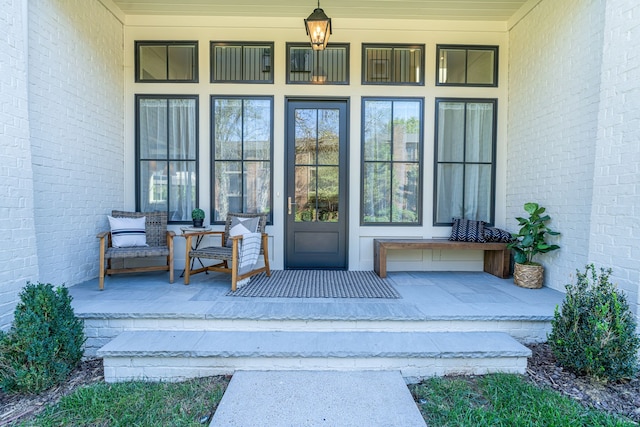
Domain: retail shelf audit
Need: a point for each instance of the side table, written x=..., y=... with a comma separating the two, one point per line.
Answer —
x=190, y=229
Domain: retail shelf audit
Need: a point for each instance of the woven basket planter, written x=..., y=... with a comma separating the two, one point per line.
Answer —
x=528, y=276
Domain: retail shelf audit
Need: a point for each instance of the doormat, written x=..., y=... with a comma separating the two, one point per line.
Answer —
x=317, y=284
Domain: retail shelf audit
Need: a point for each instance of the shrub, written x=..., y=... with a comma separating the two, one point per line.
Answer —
x=44, y=343
x=595, y=331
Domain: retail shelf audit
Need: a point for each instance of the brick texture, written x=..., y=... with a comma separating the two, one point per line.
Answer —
x=61, y=131
x=615, y=215
x=77, y=130
x=18, y=255
x=574, y=115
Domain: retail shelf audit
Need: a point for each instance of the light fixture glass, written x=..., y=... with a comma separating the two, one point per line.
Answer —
x=318, y=26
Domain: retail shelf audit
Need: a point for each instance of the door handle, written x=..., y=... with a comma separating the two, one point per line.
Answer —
x=289, y=204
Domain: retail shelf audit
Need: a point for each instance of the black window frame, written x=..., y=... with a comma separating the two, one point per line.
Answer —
x=166, y=43
x=347, y=73
x=213, y=160
x=242, y=44
x=467, y=48
x=492, y=198
x=392, y=46
x=138, y=194
x=419, y=162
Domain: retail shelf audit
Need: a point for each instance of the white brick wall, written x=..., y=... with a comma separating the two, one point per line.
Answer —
x=61, y=131
x=18, y=260
x=77, y=131
x=615, y=216
x=574, y=131
x=554, y=80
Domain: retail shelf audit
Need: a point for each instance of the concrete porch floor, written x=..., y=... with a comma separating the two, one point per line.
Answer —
x=426, y=296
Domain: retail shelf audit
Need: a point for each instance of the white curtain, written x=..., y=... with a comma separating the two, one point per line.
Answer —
x=152, y=124
x=167, y=148
x=465, y=151
x=479, y=139
x=182, y=151
x=449, y=163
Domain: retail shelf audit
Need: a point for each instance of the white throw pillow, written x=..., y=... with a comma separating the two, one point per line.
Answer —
x=128, y=232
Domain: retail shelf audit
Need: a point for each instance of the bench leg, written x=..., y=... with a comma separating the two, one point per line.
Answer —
x=497, y=263
x=380, y=260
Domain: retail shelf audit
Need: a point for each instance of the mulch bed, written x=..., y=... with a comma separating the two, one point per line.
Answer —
x=20, y=407
x=622, y=397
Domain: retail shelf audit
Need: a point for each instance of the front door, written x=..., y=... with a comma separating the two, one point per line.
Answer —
x=316, y=195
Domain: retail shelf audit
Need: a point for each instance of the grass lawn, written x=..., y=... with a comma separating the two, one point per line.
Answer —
x=491, y=400
x=502, y=400
x=186, y=403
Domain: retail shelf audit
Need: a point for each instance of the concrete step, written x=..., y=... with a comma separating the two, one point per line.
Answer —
x=177, y=355
x=317, y=398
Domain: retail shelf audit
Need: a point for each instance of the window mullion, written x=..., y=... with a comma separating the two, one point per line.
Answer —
x=166, y=54
x=315, y=166
x=466, y=69
x=242, y=136
x=391, y=164
x=464, y=158
x=167, y=155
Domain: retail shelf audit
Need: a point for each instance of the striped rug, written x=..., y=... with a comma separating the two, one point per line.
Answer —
x=317, y=284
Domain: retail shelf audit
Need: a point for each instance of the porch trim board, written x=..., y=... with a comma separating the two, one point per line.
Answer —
x=496, y=255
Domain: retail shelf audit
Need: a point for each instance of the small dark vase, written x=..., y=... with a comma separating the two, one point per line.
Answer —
x=198, y=223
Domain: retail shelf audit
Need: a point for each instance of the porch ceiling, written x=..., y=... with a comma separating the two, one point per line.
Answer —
x=468, y=10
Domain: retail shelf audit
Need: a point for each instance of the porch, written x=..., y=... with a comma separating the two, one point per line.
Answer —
x=145, y=327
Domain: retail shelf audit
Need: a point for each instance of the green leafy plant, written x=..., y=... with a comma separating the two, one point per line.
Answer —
x=44, y=343
x=531, y=239
x=594, y=333
x=197, y=213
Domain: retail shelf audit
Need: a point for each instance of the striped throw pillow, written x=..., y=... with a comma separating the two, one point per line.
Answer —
x=128, y=232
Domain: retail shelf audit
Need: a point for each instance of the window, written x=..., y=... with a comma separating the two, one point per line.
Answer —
x=166, y=154
x=328, y=66
x=393, y=64
x=467, y=65
x=242, y=140
x=238, y=62
x=392, y=169
x=465, y=160
x=162, y=61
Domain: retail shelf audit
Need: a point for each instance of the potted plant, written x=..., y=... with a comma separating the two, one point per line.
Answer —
x=197, y=215
x=529, y=242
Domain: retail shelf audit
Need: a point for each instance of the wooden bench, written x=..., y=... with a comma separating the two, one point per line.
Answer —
x=496, y=255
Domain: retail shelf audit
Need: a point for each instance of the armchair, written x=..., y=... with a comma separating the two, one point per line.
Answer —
x=159, y=244
x=228, y=253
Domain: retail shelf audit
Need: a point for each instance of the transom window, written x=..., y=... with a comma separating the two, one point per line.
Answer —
x=242, y=142
x=465, y=160
x=308, y=66
x=467, y=65
x=166, y=61
x=393, y=64
x=241, y=62
x=392, y=166
x=166, y=154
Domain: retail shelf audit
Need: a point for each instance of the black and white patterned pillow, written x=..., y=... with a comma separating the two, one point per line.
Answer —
x=467, y=230
x=240, y=226
x=493, y=234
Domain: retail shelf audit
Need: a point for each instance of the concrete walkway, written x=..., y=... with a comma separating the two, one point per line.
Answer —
x=317, y=398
